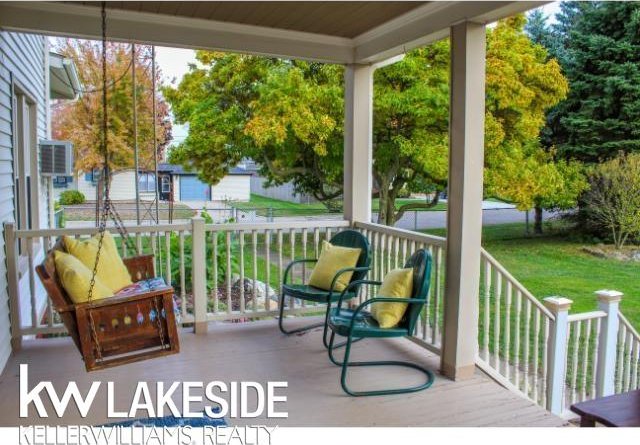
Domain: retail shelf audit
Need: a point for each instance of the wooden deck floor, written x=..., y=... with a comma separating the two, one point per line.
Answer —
x=258, y=352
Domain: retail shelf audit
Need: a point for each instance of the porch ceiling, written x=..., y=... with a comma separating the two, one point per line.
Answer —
x=338, y=32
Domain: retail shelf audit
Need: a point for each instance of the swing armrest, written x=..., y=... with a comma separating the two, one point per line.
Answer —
x=140, y=267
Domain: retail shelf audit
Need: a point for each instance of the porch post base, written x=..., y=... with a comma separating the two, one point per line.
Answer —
x=16, y=343
x=457, y=373
x=201, y=327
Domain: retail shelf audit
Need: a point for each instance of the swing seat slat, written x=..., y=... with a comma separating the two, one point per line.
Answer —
x=116, y=337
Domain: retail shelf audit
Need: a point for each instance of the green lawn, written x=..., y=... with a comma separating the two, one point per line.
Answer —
x=553, y=264
x=286, y=208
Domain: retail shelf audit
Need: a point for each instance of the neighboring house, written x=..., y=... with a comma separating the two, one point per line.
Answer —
x=186, y=186
x=123, y=185
x=283, y=192
x=30, y=77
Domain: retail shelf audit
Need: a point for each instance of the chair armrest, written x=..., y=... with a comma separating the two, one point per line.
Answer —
x=355, y=284
x=384, y=300
x=332, y=288
x=293, y=263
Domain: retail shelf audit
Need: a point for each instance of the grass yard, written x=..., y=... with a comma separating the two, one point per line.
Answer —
x=127, y=211
x=285, y=208
x=554, y=264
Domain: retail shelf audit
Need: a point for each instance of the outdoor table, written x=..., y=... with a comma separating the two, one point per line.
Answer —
x=618, y=410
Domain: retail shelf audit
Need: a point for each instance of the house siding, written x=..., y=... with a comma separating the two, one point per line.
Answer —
x=232, y=188
x=23, y=62
x=123, y=187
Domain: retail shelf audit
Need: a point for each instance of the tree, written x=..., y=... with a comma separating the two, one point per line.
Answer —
x=601, y=115
x=614, y=197
x=288, y=116
x=80, y=121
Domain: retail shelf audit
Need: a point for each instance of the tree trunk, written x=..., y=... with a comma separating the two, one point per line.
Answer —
x=386, y=213
x=537, y=224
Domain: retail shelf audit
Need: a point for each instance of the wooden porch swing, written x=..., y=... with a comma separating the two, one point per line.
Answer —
x=103, y=330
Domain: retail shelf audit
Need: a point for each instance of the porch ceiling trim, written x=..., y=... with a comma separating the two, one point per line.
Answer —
x=420, y=26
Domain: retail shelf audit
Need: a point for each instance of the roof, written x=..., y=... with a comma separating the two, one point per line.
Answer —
x=64, y=81
x=336, y=32
x=165, y=167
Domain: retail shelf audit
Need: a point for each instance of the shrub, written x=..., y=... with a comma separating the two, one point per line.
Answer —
x=71, y=197
x=613, y=201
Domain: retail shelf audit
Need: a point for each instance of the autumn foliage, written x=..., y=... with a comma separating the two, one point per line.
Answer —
x=80, y=121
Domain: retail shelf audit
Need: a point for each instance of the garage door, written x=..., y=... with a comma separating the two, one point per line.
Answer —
x=193, y=189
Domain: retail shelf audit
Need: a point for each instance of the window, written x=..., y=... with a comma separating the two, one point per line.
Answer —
x=62, y=182
x=166, y=184
x=25, y=158
x=147, y=183
x=93, y=176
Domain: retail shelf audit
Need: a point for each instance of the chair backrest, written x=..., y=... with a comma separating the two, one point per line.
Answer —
x=420, y=261
x=354, y=239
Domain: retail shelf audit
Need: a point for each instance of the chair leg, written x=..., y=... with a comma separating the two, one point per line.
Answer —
x=380, y=392
x=292, y=331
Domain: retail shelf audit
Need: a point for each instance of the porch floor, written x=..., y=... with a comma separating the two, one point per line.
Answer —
x=259, y=352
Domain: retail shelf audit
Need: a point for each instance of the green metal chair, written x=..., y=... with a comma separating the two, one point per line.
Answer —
x=346, y=238
x=359, y=324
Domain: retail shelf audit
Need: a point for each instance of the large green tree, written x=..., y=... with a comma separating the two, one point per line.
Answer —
x=600, y=55
x=288, y=116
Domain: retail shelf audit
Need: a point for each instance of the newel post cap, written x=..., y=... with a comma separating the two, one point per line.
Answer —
x=557, y=304
x=609, y=296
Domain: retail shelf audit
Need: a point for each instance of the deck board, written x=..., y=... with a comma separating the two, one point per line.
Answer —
x=259, y=352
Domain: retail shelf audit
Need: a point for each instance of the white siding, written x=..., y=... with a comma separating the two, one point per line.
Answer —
x=123, y=187
x=232, y=188
x=22, y=58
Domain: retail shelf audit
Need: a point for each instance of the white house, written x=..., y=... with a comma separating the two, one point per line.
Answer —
x=186, y=186
x=30, y=76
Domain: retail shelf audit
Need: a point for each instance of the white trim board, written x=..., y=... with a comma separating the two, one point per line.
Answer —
x=420, y=26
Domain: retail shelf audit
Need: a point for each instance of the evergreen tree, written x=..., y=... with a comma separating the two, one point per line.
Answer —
x=601, y=59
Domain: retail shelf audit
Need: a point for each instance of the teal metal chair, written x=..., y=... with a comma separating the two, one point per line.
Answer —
x=346, y=238
x=359, y=324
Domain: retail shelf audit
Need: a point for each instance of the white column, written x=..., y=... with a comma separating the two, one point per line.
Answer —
x=464, y=208
x=358, y=153
x=199, y=273
x=557, y=352
x=609, y=302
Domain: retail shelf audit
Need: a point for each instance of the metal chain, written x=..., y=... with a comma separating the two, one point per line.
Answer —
x=107, y=209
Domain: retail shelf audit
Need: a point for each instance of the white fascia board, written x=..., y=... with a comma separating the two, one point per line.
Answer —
x=64, y=19
x=429, y=23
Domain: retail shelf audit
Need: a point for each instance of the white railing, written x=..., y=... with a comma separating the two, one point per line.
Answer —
x=245, y=276
x=234, y=272
x=513, y=332
x=216, y=257
x=552, y=357
x=390, y=249
x=628, y=357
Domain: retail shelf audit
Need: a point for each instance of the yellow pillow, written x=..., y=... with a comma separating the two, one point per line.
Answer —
x=111, y=270
x=332, y=259
x=76, y=278
x=397, y=283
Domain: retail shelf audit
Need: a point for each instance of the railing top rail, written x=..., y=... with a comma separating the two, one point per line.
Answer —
x=309, y=224
x=628, y=325
x=487, y=256
x=586, y=316
x=92, y=230
x=413, y=236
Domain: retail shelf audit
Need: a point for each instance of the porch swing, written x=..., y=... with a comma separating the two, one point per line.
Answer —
x=102, y=329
